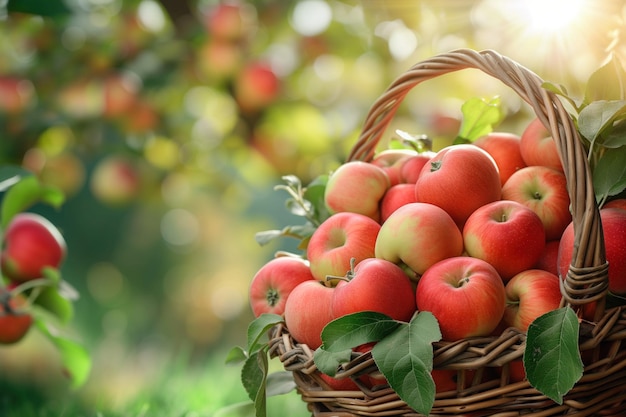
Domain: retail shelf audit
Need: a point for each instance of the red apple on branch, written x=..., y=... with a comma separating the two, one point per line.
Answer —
x=418, y=235
x=271, y=285
x=15, y=321
x=337, y=240
x=459, y=179
x=465, y=294
x=31, y=243
x=507, y=234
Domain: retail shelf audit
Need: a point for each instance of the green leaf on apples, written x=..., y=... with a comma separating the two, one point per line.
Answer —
x=329, y=362
x=253, y=378
x=606, y=83
x=75, y=358
x=356, y=329
x=551, y=357
x=479, y=118
x=609, y=174
x=259, y=327
x=405, y=358
x=300, y=232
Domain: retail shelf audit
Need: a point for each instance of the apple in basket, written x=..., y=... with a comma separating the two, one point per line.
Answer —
x=307, y=310
x=466, y=295
x=356, y=187
x=337, y=240
x=544, y=191
x=507, y=234
x=459, y=179
x=504, y=148
x=538, y=147
x=392, y=162
x=614, y=228
x=274, y=281
x=395, y=197
x=411, y=167
x=529, y=295
x=418, y=235
x=375, y=285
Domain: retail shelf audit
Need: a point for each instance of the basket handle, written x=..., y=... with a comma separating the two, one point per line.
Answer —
x=587, y=277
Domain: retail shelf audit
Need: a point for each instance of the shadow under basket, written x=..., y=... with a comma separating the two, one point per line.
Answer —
x=484, y=365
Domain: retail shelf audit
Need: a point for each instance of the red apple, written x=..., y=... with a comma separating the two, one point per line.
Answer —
x=375, y=285
x=459, y=179
x=504, y=148
x=506, y=234
x=538, y=147
x=307, y=310
x=120, y=94
x=273, y=283
x=395, y=197
x=218, y=59
x=549, y=257
x=544, y=191
x=356, y=187
x=614, y=228
x=617, y=203
x=337, y=240
x=16, y=94
x=230, y=20
x=15, y=321
x=411, y=167
x=115, y=180
x=392, y=161
x=418, y=235
x=339, y=384
x=465, y=294
x=31, y=243
x=530, y=294
x=256, y=86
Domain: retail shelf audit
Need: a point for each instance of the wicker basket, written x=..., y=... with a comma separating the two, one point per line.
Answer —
x=602, y=389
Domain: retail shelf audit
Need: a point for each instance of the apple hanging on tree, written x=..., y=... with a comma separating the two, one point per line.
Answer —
x=31, y=243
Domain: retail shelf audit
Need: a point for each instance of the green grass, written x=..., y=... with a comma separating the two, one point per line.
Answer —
x=203, y=389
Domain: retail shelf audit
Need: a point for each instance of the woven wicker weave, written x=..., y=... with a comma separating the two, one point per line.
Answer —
x=483, y=392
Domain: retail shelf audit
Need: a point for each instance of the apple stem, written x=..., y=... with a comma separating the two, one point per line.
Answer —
x=35, y=283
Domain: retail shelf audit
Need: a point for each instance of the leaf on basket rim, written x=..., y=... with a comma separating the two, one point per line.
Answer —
x=356, y=329
x=599, y=116
x=405, y=358
x=260, y=326
x=552, y=357
x=328, y=362
x=609, y=175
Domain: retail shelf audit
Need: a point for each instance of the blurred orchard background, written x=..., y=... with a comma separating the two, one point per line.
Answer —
x=168, y=123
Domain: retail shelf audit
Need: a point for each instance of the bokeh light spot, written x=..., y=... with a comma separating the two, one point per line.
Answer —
x=179, y=227
x=311, y=17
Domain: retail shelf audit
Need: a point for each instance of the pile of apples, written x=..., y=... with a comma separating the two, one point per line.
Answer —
x=477, y=233
x=31, y=243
